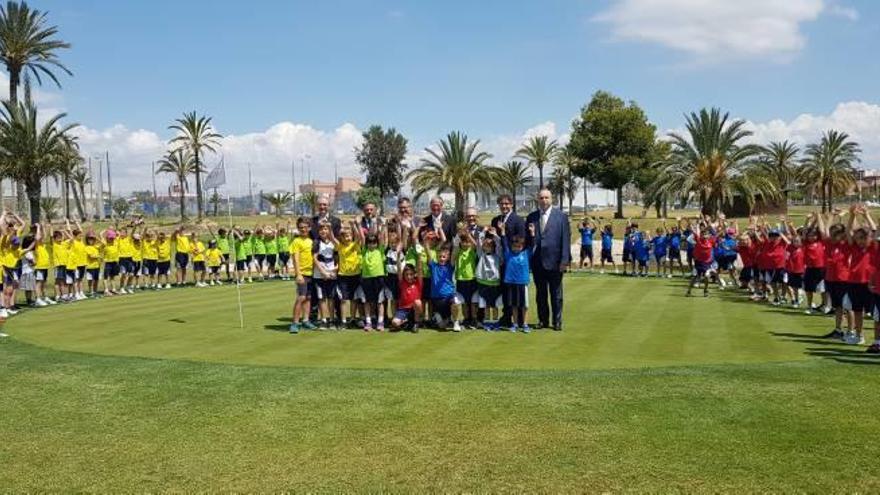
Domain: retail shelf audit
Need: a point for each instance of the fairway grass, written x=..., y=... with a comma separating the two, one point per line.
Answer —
x=610, y=322
x=632, y=396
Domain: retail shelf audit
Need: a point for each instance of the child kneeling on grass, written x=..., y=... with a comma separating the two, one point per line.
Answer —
x=409, y=300
x=516, y=278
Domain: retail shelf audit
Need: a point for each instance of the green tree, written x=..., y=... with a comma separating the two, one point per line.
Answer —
x=197, y=135
x=278, y=201
x=381, y=157
x=714, y=164
x=566, y=164
x=309, y=201
x=49, y=205
x=613, y=140
x=458, y=166
x=69, y=160
x=648, y=182
x=79, y=178
x=28, y=45
x=367, y=195
x=512, y=176
x=829, y=166
x=779, y=161
x=121, y=207
x=180, y=164
x=214, y=200
x=538, y=151
x=31, y=151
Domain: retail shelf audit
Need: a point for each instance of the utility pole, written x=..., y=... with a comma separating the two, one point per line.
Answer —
x=250, y=186
x=109, y=184
x=293, y=181
x=99, y=159
x=155, y=196
x=91, y=186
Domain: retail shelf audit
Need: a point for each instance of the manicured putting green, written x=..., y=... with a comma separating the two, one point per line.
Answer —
x=611, y=322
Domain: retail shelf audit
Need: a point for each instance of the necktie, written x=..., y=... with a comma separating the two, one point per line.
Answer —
x=543, y=221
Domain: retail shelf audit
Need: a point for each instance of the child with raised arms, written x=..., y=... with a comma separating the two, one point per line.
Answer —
x=283, y=242
x=349, y=253
x=213, y=260
x=303, y=266
x=517, y=260
x=795, y=265
x=393, y=251
x=814, y=263
x=446, y=306
x=151, y=259
x=703, y=243
x=674, y=246
x=837, y=263
x=587, y=229
x=93, y=264
x=163, y=266
x=258, y=241
x=373, y=275
x=77, y=261
x=409, y=301
x=182, y=251
x=197, y=252
x=110, y=253
x=861, y=268
x=607, y=246
x=465, y=261
x=660, y=247
x=42, y=265
x=488, y=275
x=325, y=274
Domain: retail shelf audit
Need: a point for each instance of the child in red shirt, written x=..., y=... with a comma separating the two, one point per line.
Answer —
x=795, y=266
x=409, y=303
x=837, y=253
x=861, y=268
x=814, y=261
x=704, y=244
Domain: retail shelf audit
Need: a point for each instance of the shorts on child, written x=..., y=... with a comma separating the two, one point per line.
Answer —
x=796, y=280
x=404, y=315
x=111, y=269
x=489, y=296
x=41, y=274
x=426, y=289
x=347, y=286
x=837, y=291
x=150, y=267
x=391, y=290
x=690, y=255
x=302, y=289
x=859, y=297
x=181, y=260
x=198, y=266
x=626, y=256
x=214, y=269
x=675, y=254
x=606, y=255
x=516, y=296
x=774, y=276
x=260, y=259
x=701, y=268
x=746, y=274
x=326, y=287
x=126, y=266
x=659, y=258
x=465, y=291
x=587, y=251
x=10, y=276
x=93, y=273
x=726, y=262
x=813, y=278
x=283, y=258
x=372, y=287
x=163, y=267
x=443, y=306
x=80, y=272
x=241, y=265
x=643, y=262
x=60, y=274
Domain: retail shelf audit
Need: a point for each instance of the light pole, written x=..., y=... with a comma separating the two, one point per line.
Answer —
x=99, y=201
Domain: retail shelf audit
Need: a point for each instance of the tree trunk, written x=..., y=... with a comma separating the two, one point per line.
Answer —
x=585, y=196
x=182, y=202
x=460, y=205
x=67, y=196
x=823, y=199
x=540, y=177
x=513, y=197
x=665, y=208
x=33, y=196
x=80, y=202
x=619, y=212
x=198, y=186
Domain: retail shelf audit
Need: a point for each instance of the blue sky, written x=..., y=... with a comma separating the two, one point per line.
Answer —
x=494, y=69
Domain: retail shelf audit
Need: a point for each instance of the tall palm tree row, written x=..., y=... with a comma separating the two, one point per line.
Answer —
x=566, y=162
x=457, y=166
x=180, y=164
x=196, y=134
x=28, y=44
x=278, y=201
x=779, y=161
x=828, y=167
x=538, y=151
x=513, y=176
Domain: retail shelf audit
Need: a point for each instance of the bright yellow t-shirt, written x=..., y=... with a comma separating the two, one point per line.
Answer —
x=42, y=261
x=151, y=250
x=136, y=251
x=60, y=252
x=77, y=255
x=93, y=257
x=214, y=256
x=302, y=247
x=111, y=252
x=182, y=244
x=198, y=251
x=164, y=249
x=125, y=247
x=349, y=259
x=9, y=253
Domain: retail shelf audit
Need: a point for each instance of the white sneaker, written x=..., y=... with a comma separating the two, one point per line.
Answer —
x=51, y=301
x=167, y=286
x=11, y=312
x=250, y=280
x=3, y=314
x=41, y=303
x=456, y=327
x=849, y=337
x=795, y=305
x=3, y=335
x=669, y=276
x=219, y=282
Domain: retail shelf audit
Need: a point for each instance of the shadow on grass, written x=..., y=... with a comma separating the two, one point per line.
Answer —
x=177, y=320
x=277, y=328
x=847, y=356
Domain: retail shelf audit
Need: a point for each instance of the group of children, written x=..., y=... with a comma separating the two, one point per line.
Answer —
x=410, y=273
x=833, y=260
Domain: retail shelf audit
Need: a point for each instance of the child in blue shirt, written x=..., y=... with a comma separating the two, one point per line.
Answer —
x=607, y=244
x=516, y=277
x=443, y=300
x=659, y=244
x=674, y=247
x=627, y=249
x=587, y=228
x=640, y=249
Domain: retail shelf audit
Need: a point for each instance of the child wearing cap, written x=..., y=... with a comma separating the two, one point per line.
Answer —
x=198, y=257
x=93, y=265
x=214, y=259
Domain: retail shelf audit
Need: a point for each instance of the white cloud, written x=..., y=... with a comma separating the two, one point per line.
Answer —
x=843, y=11
x=708, y=30
x=503, y=147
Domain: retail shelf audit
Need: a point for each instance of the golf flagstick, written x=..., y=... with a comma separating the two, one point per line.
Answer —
x=232, y=248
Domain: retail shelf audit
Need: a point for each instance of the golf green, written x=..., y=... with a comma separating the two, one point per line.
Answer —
x=610, y=322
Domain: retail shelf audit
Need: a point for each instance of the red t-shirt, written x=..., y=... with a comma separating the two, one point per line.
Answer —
x=775, y=252
x=795, y=262
x=747, y=255
x=409, y=293
x=814, y=254
x=875, y=260
x=762, y=261
x=703, y=249
x=836, y=261
x=861, y=265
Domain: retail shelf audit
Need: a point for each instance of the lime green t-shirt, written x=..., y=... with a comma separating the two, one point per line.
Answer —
x=466, y=264
x=223, y=245
x=241, y=249
x=419, y=250
x=373, y=264
x=259, y=245
x=283, y=243
x=271, y=245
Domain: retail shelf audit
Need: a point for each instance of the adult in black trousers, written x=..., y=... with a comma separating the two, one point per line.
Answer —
x=551, y=258
x=514, y=226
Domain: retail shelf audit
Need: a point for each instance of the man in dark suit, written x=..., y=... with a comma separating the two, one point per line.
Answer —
x=440, y=220
x=324, y=215
x=552, y=256
x=514, y=226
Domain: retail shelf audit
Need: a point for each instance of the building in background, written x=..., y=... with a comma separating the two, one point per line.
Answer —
x=342, y=193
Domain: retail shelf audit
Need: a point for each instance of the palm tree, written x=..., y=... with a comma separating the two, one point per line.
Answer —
x=538, y=151
x=713, y=163
x=458, y=166
x=566, y=163
x=215, y=201
x=513, y=176
x=69, y=160
x=278, y=201
x=28, y=44
x=779, y=161
x=309, y=200
x=180, y=164
x=79, y=176
x=828, y=166
x=49, y=206
x=30, y=151
x=197, y=135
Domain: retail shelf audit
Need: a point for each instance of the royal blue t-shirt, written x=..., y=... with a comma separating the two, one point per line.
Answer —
x=659, y=245
x=687, y=235
x=442, y=283
x=675, y=240
x=516, y=266
x=607, y=240
x=728, y=246
x=586, y=236
x=639, y=246
x=627, y=243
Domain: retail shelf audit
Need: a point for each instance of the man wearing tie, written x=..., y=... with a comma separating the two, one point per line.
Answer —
x=440, y=220
x=552, y=256
x=324, y=216
x=369, y=222
x=514, y=226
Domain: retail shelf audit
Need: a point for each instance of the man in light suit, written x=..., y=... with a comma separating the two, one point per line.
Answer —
x=552, y=256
